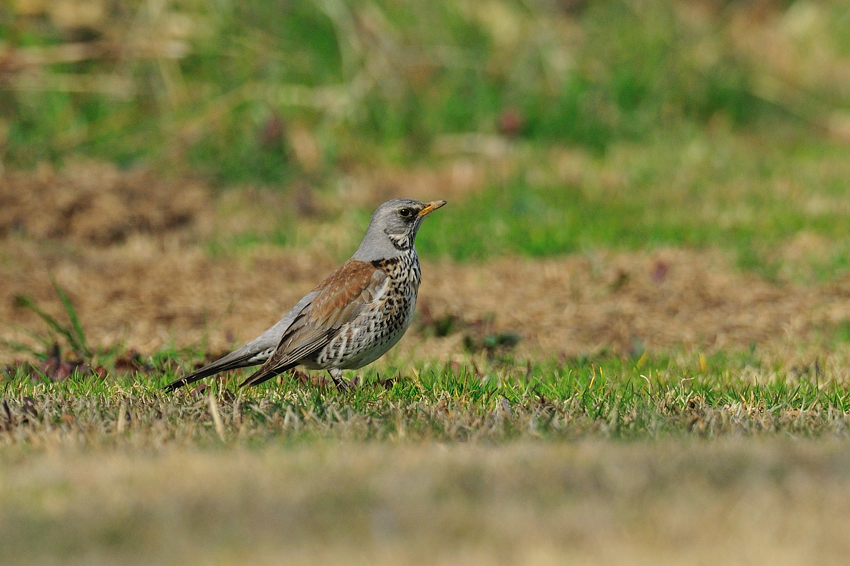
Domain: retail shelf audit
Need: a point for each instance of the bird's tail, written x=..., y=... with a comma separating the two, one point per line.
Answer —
x=263, y=375
x=224, y=364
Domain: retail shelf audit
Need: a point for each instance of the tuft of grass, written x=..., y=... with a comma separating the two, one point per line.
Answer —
x=72, y=331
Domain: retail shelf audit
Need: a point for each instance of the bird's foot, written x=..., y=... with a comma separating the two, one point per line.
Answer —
x=341, y=384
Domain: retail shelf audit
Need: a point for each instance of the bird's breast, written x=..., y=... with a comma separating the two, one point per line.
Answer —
x=381, y=324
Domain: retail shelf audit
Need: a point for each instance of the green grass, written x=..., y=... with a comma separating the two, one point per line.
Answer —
x=729, y=196
x=397, y=76
x=647, y=398
x=753, y=197
x=425, y=463
x=438, y=462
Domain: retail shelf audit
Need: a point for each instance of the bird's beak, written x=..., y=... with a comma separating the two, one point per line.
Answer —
x=431, y=207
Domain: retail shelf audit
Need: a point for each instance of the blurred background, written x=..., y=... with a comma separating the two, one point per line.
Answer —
x=266, y=92
x=541, y=101
x=553, y=128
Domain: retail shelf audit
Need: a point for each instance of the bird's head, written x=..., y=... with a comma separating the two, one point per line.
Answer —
x=394, y=226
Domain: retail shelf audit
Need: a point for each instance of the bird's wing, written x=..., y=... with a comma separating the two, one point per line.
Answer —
x=339, y=299
x=253, y=353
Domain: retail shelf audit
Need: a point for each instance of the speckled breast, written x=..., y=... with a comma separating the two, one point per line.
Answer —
x=378, y=328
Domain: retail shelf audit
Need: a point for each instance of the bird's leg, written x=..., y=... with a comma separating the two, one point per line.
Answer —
x=336, y=375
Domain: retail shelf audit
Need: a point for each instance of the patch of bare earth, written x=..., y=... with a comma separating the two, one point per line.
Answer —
x=147, y=296
x=95, y=204
x=625, y=302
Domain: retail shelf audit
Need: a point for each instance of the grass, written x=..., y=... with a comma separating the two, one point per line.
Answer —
x=398, y=503
x=387, y=79
x=606, y=397
x=667, y=136
x=753, y=197
x=484, y=461
x=644, y=458
x=751, y=202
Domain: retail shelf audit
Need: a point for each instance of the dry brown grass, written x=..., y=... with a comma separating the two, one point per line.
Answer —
x=147, y=295
x=586, y=503
x=95, y=204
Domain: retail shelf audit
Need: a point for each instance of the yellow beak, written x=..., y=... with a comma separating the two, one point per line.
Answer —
x=431, y=207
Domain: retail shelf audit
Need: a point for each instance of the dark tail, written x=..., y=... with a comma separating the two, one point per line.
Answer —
x=218, y=366
x=264, y=375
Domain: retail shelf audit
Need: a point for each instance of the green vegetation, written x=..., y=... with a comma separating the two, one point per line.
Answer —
x=394, y=75
x=398, y=74
x=509, y=400
x=695, y=192
x=89, y=397
x=110, y=468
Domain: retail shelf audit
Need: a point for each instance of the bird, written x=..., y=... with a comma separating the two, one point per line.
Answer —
x=350, y=319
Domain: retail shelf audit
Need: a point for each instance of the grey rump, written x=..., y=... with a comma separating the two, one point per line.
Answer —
x=350, y=319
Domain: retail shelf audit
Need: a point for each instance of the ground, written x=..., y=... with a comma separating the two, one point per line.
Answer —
x=728, y=502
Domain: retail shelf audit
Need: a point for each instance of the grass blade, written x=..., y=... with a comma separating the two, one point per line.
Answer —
x=21, y=347
x=28, y=303
x=79, y=341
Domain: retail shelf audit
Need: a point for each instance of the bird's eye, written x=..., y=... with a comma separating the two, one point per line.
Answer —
x=405, y=213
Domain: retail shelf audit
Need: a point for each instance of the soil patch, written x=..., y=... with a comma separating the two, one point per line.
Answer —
x=95, y=204
x=146, y=296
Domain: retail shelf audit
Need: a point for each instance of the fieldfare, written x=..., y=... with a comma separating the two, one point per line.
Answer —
x=352, y=317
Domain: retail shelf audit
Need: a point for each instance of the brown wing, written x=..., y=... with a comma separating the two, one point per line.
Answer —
x=341, y=297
